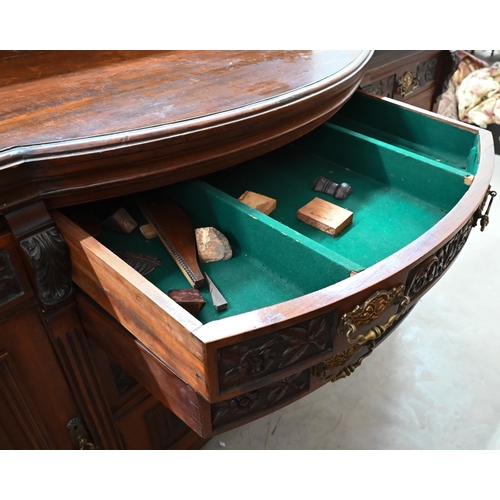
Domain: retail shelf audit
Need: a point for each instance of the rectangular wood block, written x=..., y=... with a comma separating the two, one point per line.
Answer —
x=325, y=216
x=258, y=201
x=148, y=231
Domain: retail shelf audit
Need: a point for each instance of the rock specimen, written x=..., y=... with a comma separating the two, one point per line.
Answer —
x=212, y=245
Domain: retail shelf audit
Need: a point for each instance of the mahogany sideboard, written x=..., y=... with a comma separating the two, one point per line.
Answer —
x=95, y=355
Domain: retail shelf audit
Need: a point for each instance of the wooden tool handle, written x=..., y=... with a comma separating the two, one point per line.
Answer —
x=176, y=232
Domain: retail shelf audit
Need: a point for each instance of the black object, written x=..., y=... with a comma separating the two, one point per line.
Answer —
x=339, y=191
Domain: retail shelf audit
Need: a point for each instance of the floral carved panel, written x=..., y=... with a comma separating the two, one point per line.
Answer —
x=248, y=361
x=427, y=71
x=382, y=88
x=423, y=277
x=253, y=402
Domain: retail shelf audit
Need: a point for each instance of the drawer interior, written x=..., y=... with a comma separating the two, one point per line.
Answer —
x=410, y=131
x=398, y=193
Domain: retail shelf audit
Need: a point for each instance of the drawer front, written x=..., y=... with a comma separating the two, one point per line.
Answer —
x=406, y=81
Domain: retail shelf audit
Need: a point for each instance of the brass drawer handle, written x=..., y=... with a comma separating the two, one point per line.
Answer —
x=370, y=311
x=408, y=83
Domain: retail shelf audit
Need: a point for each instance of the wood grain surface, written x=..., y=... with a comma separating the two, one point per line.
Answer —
x=77, y=126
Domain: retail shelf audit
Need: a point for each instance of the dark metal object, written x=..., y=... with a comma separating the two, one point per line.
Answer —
x=339, y=191
x=79, y=434
x=142, y=263
x=485, y=218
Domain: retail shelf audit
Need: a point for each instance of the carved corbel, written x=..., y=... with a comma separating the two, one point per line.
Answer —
x=44, y=251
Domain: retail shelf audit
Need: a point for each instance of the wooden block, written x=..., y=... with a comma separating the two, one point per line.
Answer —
x=190, y=299
x=148, y=231
x=468, y=180
x=260, y=202
x=120, y=222
x=325, y=216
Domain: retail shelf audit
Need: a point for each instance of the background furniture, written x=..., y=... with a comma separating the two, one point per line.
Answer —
x=415, y=77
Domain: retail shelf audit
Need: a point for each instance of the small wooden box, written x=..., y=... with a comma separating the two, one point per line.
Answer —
x=325, y=216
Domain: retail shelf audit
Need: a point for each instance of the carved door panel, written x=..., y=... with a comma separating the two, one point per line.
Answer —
x=141, y=420
x=35, y=401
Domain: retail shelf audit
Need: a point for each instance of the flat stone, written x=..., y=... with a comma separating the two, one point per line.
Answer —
x=212, y=245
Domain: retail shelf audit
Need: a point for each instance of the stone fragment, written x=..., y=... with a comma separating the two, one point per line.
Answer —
x=212, y=245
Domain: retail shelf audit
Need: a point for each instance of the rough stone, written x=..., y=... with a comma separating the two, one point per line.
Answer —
x=212, y=245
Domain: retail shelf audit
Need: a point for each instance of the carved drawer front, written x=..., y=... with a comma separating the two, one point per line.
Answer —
x=406, y=82
x=415, y=78
x=369, y=323
x=246, y=364
x=362, y=328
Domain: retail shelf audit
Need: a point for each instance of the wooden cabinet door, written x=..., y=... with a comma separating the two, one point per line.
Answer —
x=35, y=400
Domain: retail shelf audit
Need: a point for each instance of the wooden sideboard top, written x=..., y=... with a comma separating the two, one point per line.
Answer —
x=91, y=106
x=58, y=96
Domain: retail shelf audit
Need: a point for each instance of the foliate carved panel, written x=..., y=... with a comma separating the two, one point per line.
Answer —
x=422, y=278
x=253, y=402
x=326, y=369
x=248, y=361
x=426, y=71
x=10, y=284
x=51, y=263
x=123, y=380
x=165, y=427
x=383, y=88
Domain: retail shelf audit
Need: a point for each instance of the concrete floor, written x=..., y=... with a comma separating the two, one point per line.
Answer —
x=434, y=384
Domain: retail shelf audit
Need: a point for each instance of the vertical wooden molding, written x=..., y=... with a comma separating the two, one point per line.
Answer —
x=22, y=406
x=74, y=355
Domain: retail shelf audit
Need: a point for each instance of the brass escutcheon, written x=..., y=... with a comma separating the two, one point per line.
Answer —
x=407, y=84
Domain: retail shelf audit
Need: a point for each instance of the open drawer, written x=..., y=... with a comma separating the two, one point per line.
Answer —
x=304, y=307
